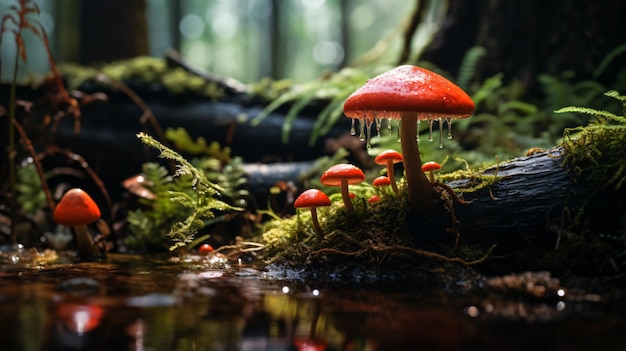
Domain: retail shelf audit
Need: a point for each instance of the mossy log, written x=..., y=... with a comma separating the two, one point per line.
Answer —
x=532, y=207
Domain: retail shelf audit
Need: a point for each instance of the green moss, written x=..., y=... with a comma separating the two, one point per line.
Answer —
x=596, y=152
x=375, y=235
x=148, y=70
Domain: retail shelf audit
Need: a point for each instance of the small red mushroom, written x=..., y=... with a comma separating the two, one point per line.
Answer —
x=409, y=94
x=373, y=199
x=205, y=249
x=342, y=175
x=431, y=167
x=381, y=181
x=389, y=158
x=77, y=209
x=312, y=199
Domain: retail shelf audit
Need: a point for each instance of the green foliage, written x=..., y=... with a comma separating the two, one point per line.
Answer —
x=201, y=198
x=148, y=70
x=467, y=69
x=183, y=142
x=30, y=195
x=150, y=225
x=596, y=152
x=333, y=90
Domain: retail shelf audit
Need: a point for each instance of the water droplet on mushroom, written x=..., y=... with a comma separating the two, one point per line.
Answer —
x=430, y=129
x=389, y=125
x=399, y=126
x=368, y=145
x=362, y=129
x=352, y=129
x=379, y=124
x=440, y=121
x=418, y=130
x=449, y=122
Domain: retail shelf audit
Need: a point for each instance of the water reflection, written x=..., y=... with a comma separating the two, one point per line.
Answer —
x=139, y=304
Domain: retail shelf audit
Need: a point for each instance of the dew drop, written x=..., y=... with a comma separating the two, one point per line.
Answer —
x=379, y=124
x=430, y=129
x=440, y=121
x=418, y=130
x=389, y=125
x=352, y=129
x=362, y=129
x=369, y=134
x=449, y=122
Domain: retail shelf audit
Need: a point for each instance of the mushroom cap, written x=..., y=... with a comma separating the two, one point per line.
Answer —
x=381, y=181
x=335, y=174
x=205, y=249
x=431, y=166
x=373, y=199
x=76, y=208
x=409, y=88
x=387, y=155
x=312, y=198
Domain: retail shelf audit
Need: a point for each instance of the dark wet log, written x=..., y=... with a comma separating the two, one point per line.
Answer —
x=532, y=205
x=107, y=139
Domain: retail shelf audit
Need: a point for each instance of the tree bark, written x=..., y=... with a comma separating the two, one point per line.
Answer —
x=113, y=30
x=526, y=38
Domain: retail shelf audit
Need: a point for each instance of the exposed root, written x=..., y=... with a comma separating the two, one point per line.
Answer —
x=392, y=249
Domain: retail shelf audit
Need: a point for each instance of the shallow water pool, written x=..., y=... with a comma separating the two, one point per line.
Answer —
x=137, y=303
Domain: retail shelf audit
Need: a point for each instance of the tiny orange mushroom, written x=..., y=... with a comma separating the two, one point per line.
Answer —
x=312, y=199
x=389, y=158
x=431, y=167
x=342, y=175
x=76, y=209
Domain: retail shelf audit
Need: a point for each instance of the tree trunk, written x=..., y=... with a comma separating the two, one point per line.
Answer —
x=526, y=38
x=113, y=30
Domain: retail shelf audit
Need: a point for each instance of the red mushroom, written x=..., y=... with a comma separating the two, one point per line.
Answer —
x=389, y=158
x=342, y=175
x=381, y=181
x=431, y=167
x=409, y=94
x=373, y=199
x=205, y=249
x=77, y=209
x=312, y=199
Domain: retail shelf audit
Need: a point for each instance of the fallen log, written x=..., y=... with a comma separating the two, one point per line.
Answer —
x=532, y=207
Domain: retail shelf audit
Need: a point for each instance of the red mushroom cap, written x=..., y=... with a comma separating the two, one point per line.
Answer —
x=431, y=166
x=205, y=249
x=408, y=88
x=312, y=198
x=373, y=199
x=76, y=208
x=388, y=155
x=335, y=174
x=381, y=181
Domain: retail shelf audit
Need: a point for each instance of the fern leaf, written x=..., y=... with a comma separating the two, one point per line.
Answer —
x=468, y=65
x=593, y=112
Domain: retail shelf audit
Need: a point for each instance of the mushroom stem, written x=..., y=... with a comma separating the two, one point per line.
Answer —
x=84, y=242
x=420, y=192
x=345, y=195
x=391, y=175
x=316, y=224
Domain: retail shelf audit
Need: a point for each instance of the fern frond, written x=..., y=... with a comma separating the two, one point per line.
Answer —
x=593, y=112
x=467, y=69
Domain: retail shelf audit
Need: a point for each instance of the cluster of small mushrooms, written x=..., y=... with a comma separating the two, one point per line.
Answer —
x=409, y=94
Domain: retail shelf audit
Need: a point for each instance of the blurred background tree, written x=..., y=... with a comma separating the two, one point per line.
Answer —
x=301, y=39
